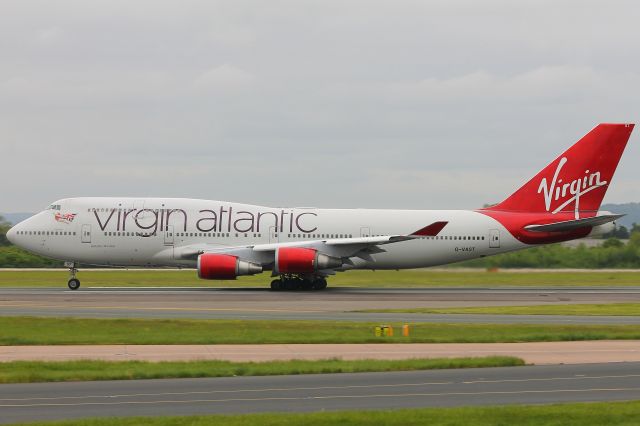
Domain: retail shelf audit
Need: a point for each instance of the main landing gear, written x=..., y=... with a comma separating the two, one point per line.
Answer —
x=295, y=282
x=73, y=282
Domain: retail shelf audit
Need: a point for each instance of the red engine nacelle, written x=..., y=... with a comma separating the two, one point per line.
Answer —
x=212, y=266
x=301, y=260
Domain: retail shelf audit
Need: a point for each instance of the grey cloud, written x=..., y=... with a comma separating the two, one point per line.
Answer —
x=404, y=104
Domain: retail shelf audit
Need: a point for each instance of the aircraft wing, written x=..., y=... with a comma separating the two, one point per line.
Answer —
x=345, y=248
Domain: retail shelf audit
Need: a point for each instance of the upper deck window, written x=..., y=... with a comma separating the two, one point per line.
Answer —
x=54, y=207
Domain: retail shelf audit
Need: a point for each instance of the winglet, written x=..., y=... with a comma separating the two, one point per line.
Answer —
x=430, y=230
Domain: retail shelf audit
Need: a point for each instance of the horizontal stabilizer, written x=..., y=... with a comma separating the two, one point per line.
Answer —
x=570, y=225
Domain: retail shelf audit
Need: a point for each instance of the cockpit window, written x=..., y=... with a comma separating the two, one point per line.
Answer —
x=54, y=207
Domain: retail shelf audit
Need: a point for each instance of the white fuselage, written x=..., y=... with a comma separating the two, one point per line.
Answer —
x=153, y=231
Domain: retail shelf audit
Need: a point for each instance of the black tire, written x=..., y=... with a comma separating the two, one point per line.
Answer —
x=276, y=285
x=320, y=284
x=74, y=284
x=289, y=285
x=308, y=284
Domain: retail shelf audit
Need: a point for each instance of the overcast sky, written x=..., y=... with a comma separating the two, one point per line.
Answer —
x=394, y=104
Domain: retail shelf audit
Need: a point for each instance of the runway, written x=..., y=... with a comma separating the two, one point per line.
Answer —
x=336, y=304
x=440, y=388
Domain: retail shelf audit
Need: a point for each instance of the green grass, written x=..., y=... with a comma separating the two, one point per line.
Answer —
x=405, y=278
x=67, y=331
x=85, y=370
x=624, y=309
x=577, y=414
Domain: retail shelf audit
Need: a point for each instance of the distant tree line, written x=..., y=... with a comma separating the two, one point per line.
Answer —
x=622, y=233
x=4, y=228
x=613, y=253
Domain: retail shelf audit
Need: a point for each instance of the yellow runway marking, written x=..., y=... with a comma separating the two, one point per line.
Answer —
x=142, y=308
x=297, y=389
x=230, y=391
x=402, y=395
x=578, y=377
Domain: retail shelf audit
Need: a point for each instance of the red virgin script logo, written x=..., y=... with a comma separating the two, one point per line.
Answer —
x=557, y=191
x=64, y=218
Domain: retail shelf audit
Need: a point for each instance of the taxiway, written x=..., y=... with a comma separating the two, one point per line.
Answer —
x=336, y=304
x=440, y=388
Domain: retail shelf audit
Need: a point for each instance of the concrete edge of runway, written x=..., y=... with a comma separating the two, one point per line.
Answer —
x=539, y=353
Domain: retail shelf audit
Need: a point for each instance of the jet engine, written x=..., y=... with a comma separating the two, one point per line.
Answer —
x=302, y=260
x=213, y=266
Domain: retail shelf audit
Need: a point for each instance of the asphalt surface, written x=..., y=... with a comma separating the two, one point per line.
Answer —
x=440, y=388
x=334, y=304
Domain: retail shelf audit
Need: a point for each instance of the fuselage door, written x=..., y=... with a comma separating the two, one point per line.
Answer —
x=494, y=238
x=85, y=235
x=365, y=231
x=168, y=235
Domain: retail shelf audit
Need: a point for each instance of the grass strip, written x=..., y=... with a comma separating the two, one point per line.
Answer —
x=85, y=370
x=577, y=414
x=80, y=331
x=405, y=278
x=613, y=309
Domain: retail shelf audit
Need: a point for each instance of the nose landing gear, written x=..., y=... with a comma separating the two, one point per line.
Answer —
x=73, y=282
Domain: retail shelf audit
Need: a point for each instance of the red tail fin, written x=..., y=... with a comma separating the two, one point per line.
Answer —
x=577, y=180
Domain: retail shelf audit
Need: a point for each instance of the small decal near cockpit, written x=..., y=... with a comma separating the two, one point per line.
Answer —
x=64, y=218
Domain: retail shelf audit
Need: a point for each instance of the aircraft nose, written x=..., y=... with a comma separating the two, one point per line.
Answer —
x=11, y=235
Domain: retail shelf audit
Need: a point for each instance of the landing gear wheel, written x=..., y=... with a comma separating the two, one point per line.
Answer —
x=289, y=284
x=74, y=284
x=308, y=284
x=320, y=284
x=276, y=285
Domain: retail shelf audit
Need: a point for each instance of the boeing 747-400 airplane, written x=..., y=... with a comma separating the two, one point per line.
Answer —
x=302, y=246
